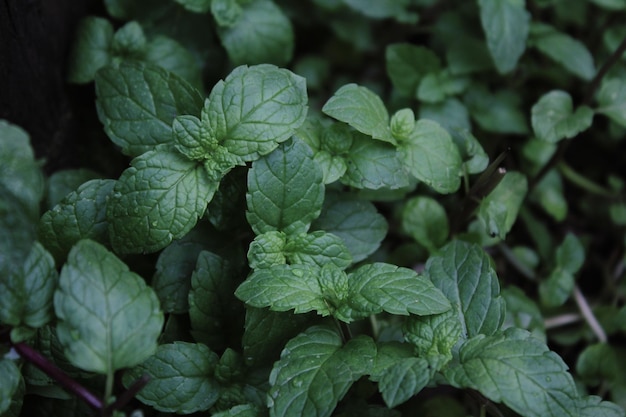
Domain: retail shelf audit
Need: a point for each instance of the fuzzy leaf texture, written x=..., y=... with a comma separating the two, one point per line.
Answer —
x=26, y=295
x=108, y=317
x=158, y=199
x=137, y=103
x=80, y=215
x=255, y=108
x=315, y=371
x=463, y=272
x=506, y=25
x=285, y=190
x=518, y=370
x=553, y=117
x=430, y=155
x=181, y=378
x=257, y=32
x=362, y=109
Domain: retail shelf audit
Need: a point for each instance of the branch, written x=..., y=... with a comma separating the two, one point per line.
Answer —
x=590, y=318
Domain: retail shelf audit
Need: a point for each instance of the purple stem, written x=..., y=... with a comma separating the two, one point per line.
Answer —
x=41, y=362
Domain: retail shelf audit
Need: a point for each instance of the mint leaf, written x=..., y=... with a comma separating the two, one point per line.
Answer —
x=463, y=272
x=506, y=25
x=196, y=6
x=570, y=255
x=63, y=182
x=129, y=41
x=10, y=378
x=514, y=368
x=158, y=199
x=108, y=317
x=553, y=117
x=18, y=233
x=137, y=103
x=498, y=211
x=548, y=193
x=383, y=10
x=20, y=173
x=403, y=380
x=362, y=109
x=285, y=287
x=260, y=33
x=91, y=49
x=172, y=276
x=255, y=108
x=436, y=86
x=374, y=165
x=267, y=249
x=315, y=372
x=499, y=112
x=431, y=156
x=318, y=248
x=406, y=65
x=593, y=406
x=211, y=301
x=425, y=220
x=181, y=378
x=555, y=290
x=357, y=223
x=562, y=48
x=80, y=215
x=285, y=190
x=26, y=296
x=225, y=12
x=433, y=335
x=612, y=100
x=174, y=57
x=379, y=287
x=244, y=410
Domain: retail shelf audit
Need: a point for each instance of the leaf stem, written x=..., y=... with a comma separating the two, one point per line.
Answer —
x=41, y=362
x=612, y=60
x=561, y=320
x=512, y=259
x=583, y=182
x=590, y=318
x=128, y=395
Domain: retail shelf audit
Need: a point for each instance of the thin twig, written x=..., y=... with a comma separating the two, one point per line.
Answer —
x=590, y=318
x=127, y=395
x=561, y=320
x=595, y=83
x=41, y=362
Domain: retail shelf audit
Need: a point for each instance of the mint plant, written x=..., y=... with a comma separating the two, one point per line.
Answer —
x=421, y=212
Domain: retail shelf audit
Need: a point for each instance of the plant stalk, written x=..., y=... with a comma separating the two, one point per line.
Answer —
x=590, y=318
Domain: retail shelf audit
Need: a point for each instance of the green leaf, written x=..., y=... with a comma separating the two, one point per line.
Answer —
x=506, y=24
x=256, y=108
x=174, y=57
x=357, y=223
x=612, y=100
x=433, y=335
x=225, y=12
x=315, y=372
x=436, y=86
x=374, y=165
x=10, y=378
x=548, y=193
x=172, y=276
x=261, y=33
x=388, y=354
x=379, y=287
x=451, y=114
x=129, y=41
x=181, y=378
x=514, y=368
x=108, y=317
x=211, y=300
x=26, y=296
x=158, y=199
x=523, y=312
x=598, y=363
x=20, y=173
x=404, y=380
x=463, y=272
x=383, y=10
x=137, y=103
x=593, y=406
x=362, y=109
x=285, y=190
x=266, y=332
x=553, y=117
x=285, y=287
x=498, y=211
x=244, y=410
x=555, y=290
x=562, y=48
x=406, y=65
x=80, y=215
x=425, y=220
x=63, y=182
x=267, y=249
x=91, y=49
x=196, y=6
x=570, y=255
x=431, y=156
x=402, y=123
x=611, y=4
x=499, y=112
x=318, y=248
